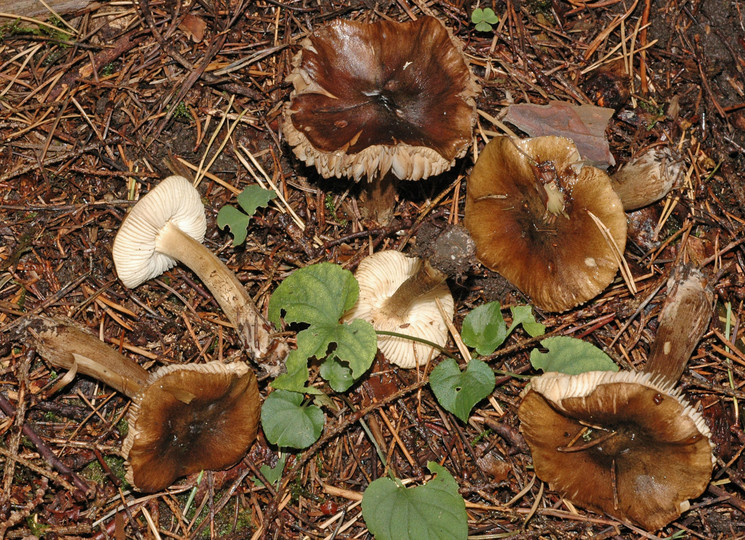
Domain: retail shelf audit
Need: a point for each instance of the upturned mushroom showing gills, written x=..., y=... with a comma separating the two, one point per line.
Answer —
x=622, y=443
x=386, y=96
x=627, y=443
x=400, y=294
x=167, y=226
x=530, y=208
x=183, y=419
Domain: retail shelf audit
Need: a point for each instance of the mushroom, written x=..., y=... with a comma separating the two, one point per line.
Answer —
x=183, y=419
x=647, y=178
x=623, y=443
x=167, y=226
x=400, y=294
x=627, y=443
x=385, y=96
x=531, y=209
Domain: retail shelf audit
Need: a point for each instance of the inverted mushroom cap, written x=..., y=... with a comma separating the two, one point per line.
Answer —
x=644, y=454
x=558, y=257
x=190, y=418
x=380, y=275
x=369, y=98
x=135, y=252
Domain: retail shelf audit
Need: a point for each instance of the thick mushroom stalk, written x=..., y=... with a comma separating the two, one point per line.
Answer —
x=424, y=280
x=682, y=322
x=166, y=227
x=183, y=418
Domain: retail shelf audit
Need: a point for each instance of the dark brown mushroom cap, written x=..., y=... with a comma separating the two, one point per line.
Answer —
x=562, y=262
x=658, y=457
x=369, y=98
x=190, y=418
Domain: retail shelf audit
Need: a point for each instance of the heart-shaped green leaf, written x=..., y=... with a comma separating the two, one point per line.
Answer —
x=288, y=423
x=570, y=356
x=250, y=199
x=458, y=391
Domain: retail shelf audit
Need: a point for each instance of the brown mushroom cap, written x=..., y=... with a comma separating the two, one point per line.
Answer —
x=369, y=98
x=190, y=418
x=646, y=453
x=561, y=260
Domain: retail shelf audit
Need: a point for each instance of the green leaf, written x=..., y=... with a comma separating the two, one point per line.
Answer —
x=338, y=374
x=477, y=15
x=250, y=199
x=524, y=315
x=570, y=356
x=483, y=27
x=289, y=423
x=458, y=391
x=272, y=474
x=490, y=17
x=297, y=375
x=433, y=511
x=484, y=328
x=236, y=221
x=319, y=293
x=254, y=196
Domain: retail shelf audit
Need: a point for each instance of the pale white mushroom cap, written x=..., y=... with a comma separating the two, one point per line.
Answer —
x=379, y=276
x=136, y=257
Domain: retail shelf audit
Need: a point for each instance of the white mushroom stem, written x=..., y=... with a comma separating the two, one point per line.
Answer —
x=65, y=346
x=232, y=296
x=682, y=322
x=420, y=283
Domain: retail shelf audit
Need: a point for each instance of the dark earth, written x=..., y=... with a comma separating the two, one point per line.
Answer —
x=96, y=110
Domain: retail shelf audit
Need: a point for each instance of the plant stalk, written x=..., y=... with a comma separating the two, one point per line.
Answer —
x=420, y=283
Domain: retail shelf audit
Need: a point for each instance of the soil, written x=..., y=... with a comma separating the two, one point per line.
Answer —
x=95, y=110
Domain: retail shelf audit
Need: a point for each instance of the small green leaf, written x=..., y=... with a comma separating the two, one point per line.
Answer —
x=272, y=474
x=297, y=375
x=337, y=374
x=236, y=221
x=254, y=196
x=570, y=356
x=433, y=511
x=483, y=27
x=490, y=17
x=524, y=315
x=319, y=293
x=250, y=199
x=484, y=328
x=458, y=391
x=289, y=423
x=477, y=15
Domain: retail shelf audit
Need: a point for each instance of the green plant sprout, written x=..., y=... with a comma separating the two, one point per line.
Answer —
x=484, y=19
x=250, y=199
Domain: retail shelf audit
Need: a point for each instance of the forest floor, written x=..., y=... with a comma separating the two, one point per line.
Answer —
x=97, y=107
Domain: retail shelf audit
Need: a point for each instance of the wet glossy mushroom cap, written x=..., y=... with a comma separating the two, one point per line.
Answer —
x=190, y=418
x=617, y=442
x=380, y=277
x=136, y=247
x=369, y=98
x=528, y=210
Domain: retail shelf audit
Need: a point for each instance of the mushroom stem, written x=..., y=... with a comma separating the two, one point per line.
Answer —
x=65, y=346
x=232, y=296
x=424, y=280
x=378, y=197
x=682, y=321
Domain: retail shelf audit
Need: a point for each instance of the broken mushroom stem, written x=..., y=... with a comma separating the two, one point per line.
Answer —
x=682, y=322
x=67, y=347
x=420, y=283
